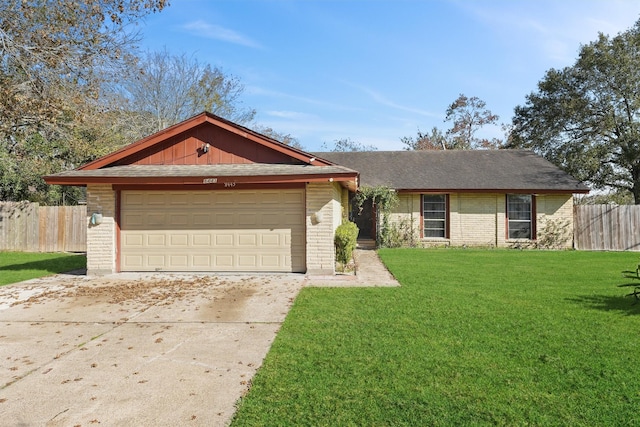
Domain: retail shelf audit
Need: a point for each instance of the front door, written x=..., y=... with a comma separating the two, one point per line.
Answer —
x=365, y=219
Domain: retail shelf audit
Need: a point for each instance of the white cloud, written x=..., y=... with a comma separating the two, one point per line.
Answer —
x=216, y=32
x=555, y=29
x=290, y=115
x=261, y=91
x=382, y=100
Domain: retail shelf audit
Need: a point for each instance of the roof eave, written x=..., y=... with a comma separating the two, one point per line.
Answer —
x=494, y=190
x=349, y=179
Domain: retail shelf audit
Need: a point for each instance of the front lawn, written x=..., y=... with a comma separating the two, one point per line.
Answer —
x=473, y=337
x=19, y=266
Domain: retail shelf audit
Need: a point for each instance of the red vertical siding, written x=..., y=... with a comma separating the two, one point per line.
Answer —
x=224, y=148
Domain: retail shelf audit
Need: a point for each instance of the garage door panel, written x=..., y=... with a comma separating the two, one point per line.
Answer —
x=156, y=260
x=246, y=197
x=273, y=261
x=213, y=231
x=223, y=219
x=154, y=199
x=179, y=261
x=157, y=240
x=222, y=240
x=179, y=240
x=201, y=198
x=293, y=198
x=224, y=261
x=202, y=240
x=134, y=240
x=177, y=220
x=132, y=198
x=249, y=219
x=134, y=261
x=155, y=219
x=202, y=261
x=247, y=239
x=132, y=220
x=248, y=261
x=270, y=218
x=226, y=198
x=272, y=239
x=202, y=220
x=179, y=199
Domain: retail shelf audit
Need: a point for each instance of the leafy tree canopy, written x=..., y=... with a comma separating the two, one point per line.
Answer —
x=57, y=54
x=467, y=117
x=57, y=57
x=586, y=118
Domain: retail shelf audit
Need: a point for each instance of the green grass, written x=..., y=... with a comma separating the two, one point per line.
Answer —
x=473, y=337
x=19, y=266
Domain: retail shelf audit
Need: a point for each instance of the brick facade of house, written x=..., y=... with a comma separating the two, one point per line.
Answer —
x=479, y=219
x=324, y=210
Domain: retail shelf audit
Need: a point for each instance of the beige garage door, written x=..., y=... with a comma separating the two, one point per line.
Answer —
x=243, y=230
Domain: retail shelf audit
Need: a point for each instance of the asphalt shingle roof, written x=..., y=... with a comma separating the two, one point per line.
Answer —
x=475, y=170
x=231, y=170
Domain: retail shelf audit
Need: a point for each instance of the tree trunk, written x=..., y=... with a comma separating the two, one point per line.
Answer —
x=635, y=174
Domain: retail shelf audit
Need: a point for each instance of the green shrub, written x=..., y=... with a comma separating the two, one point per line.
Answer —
x=399, y=234
x=345, y=241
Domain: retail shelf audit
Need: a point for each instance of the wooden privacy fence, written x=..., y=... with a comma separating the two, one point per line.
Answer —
x=28, y=227
x=607, y=227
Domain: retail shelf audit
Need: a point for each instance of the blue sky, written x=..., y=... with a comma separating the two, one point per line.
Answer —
x=377, y=70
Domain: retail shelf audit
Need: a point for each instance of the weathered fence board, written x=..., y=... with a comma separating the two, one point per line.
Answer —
x=607, y=227
x=28, y=227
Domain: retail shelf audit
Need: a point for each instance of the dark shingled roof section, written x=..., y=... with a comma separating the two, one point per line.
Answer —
x=475, y=170
x=250, y=169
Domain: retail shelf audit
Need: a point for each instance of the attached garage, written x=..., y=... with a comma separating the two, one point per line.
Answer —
x=246, y=230
x=209, y=195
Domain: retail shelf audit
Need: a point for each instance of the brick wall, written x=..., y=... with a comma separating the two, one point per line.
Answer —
x=324, y=215
x=407, y=214
x=555, y=207
x=478, y=219
x=474, y=219
x=101, y=239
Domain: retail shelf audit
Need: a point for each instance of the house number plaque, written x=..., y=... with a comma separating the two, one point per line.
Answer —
x=210, y=180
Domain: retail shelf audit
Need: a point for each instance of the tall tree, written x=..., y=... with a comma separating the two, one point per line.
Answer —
x=56, y=57
x=167, y=89
x=586, y=118
x=467, y=117
x=56, y=54
x=347, y=144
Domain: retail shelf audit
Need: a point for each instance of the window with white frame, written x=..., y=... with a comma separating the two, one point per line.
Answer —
x=434, y=214
x=519, y=216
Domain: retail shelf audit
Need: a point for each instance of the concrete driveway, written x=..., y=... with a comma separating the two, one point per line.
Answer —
x=162, y=350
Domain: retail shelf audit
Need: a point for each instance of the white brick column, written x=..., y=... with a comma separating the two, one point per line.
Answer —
x=101, y=238
x=323, y=216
